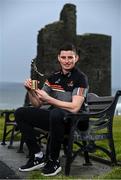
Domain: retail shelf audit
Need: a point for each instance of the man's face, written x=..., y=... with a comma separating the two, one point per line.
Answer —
x=67, y=60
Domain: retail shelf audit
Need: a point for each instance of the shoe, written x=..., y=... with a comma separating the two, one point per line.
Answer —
x=33, y=163
x=51, y=168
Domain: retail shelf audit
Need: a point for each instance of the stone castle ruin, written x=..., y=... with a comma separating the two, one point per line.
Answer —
x=95, y=51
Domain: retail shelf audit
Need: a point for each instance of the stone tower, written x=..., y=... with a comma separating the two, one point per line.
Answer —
x=95, y=51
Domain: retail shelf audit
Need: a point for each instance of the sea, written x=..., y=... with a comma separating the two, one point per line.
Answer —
x=12, y=95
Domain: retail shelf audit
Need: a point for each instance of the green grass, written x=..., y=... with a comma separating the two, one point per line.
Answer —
x=37, y=175
x=2, y=127
x=117, y=139
x=115, y=173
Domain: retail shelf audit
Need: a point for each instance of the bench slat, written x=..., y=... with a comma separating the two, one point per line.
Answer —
x=98, y=107
x=98, y=103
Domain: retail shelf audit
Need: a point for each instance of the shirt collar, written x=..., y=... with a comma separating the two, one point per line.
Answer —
x=68, y=74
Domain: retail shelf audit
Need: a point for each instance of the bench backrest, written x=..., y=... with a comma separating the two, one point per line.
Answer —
x=97, y=103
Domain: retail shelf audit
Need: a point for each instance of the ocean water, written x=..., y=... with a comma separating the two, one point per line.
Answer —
x=12, y=95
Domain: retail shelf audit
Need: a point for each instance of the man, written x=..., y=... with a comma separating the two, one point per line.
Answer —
x=65, y=90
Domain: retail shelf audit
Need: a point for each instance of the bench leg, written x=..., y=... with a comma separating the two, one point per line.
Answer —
x=113, y=153
x=69, y=153
x=11, y=138
x=68, y=161
x=4, y=135
x=86, y=156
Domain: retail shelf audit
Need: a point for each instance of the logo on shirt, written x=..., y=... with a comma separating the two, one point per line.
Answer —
x=58, y=81
x=70, y=84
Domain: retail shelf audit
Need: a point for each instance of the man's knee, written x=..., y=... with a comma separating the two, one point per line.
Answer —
x=56, y=116
x=57, y=113
x=19, y=112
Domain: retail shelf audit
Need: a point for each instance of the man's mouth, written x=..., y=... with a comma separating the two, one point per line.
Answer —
x=67, y=65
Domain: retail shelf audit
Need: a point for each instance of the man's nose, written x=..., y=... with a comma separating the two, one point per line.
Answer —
x=66, y=59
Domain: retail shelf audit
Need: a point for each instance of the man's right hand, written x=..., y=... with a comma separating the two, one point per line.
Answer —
x=27, y=84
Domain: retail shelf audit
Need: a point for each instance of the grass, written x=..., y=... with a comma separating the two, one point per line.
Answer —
x=115, y=173
x=2, y=127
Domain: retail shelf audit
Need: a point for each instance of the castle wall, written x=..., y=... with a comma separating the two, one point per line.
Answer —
x=95, y=51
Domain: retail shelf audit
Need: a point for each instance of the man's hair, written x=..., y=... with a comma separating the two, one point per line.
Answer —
x=67, y=47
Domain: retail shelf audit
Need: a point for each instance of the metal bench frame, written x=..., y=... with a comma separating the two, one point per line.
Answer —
x=100, y=116
x=10, y=129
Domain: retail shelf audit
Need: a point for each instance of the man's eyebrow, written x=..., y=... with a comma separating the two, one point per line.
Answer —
x=66, y=56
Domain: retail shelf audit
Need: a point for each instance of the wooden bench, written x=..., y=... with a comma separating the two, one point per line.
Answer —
x=100, y=115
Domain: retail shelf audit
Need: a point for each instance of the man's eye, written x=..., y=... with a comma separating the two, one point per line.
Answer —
x=63, y=57
x=70, y=57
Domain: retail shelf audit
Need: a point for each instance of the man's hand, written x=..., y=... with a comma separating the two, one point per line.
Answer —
x=43, y=96
x=27, y=84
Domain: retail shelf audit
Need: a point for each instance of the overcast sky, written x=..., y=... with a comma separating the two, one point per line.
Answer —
x=20, y=21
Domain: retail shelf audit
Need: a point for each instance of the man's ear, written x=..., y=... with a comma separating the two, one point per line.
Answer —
x=58, y=58
x=77, y=58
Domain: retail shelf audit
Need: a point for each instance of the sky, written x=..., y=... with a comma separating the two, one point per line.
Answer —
x=20, y=21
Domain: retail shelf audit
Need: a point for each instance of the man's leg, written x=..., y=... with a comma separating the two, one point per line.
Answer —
x=57, y=129
x=26, y=119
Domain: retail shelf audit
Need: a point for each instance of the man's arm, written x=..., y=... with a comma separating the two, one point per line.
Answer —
x=73, y=106
x=34, y=99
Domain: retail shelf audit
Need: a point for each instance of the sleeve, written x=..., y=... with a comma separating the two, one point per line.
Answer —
x=81, y=88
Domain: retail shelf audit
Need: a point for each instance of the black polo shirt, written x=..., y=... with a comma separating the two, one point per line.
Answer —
x=63, y=87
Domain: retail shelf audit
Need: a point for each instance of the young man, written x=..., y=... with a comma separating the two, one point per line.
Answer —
x=65, y=91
